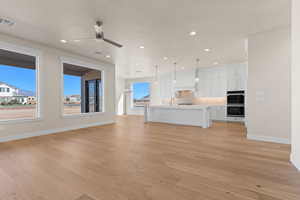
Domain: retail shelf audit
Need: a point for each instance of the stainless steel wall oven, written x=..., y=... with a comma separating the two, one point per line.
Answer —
x=236, y=103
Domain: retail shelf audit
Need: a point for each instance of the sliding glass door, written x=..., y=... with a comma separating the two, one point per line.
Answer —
x=92, y=95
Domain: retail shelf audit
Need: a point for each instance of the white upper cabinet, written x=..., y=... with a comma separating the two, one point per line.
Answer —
x=185, y=79
x=236, y=77
x=213, y=81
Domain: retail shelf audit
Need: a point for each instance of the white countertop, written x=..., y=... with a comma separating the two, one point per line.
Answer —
x=184, y=107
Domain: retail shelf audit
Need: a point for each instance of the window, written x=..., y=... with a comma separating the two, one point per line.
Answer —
x=141, y=94
x=83, y=90
x=18, y=94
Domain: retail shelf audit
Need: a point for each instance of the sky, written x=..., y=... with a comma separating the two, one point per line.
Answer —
x=19, y=77
x=25, y=79
x=140, y=90
x=72, y=85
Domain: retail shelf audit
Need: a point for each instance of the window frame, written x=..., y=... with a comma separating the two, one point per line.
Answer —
x=37, y=55
x=132, y=93
x=77, y=62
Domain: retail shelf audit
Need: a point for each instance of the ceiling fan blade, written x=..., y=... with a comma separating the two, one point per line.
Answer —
x=112, y=42
x=82, y=39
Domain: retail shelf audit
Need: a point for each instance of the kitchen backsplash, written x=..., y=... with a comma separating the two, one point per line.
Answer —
x=201, y=100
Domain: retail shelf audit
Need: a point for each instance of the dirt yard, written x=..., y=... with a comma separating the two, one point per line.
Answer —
x=29, y=112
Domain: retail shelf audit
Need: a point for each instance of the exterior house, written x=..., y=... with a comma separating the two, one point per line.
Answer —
x=142, y=101
x=12, y=95
x=30, y=100
x=7, y=90
x=73, y=99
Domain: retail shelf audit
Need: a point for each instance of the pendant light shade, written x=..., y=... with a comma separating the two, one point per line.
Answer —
x=175, y=73
x=197, y=79
x=197, y=71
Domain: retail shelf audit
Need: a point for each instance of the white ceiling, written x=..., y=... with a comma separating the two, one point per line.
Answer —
x=162, y=26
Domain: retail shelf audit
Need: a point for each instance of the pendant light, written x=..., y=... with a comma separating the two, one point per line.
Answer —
x=197, y=71
x=197, y=79
x=175, y=75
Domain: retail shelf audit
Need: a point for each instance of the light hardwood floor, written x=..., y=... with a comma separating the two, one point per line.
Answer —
x=131, y=160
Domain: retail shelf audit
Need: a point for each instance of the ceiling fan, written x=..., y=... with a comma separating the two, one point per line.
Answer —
x=100, y=35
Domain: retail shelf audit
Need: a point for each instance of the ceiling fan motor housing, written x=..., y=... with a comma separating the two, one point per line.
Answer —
x=99, y=36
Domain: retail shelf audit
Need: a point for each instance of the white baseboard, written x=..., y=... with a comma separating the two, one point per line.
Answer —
x=295, y=162
x=268, y=139
x=51, y=131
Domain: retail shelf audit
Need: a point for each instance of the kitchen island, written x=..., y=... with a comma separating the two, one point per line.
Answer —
x=192, y=115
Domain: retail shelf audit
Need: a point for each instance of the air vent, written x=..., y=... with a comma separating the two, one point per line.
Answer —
x=7, y=22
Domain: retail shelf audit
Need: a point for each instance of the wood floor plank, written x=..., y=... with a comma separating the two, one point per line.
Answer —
x=152, y=161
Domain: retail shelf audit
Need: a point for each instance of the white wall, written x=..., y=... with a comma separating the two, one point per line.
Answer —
x=50, y=95
x=120, y=88
x=268, y=94
x=296, y=83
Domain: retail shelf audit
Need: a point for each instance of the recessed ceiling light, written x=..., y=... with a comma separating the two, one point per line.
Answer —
x=142, y=47
x=216, y=63
x=207, y=50
x=165, y=58
x=107, y=56
x=76, y=40
x=63, y=41
x=193, y=33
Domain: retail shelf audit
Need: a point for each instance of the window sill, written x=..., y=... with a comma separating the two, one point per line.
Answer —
x=81, y=115
x=20, y=121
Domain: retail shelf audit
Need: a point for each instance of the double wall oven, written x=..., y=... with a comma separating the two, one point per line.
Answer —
x=236, y=103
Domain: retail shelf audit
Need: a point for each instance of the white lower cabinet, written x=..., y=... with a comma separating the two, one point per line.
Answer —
x=218, y=113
